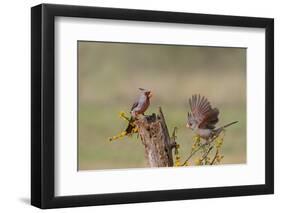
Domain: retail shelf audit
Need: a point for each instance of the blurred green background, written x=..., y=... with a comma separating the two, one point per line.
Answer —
x=110, y=75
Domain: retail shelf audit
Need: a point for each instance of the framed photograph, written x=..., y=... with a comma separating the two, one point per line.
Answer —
x=139, y=106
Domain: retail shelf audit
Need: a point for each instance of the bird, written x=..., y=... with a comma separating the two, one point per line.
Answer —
x=142, y=104
x=138, y=108
x=202, y=118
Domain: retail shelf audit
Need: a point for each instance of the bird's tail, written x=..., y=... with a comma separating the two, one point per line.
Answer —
x=219, y=130
x=227, y=125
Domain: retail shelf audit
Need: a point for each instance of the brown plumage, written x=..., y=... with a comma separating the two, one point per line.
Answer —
x=139, y=107
x=203, y=118
x=143, y=102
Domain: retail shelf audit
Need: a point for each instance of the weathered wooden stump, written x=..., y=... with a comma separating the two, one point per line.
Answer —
x=157, y=142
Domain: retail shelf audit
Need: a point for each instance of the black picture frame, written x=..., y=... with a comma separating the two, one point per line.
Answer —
x=43, y=105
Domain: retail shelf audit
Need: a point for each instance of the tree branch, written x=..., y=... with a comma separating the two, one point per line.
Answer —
x=215, y=157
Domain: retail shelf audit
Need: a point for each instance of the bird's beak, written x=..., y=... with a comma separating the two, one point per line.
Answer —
x=187, y=126
x=150, y=95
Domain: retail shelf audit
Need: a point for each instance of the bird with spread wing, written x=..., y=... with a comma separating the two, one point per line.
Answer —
x=203, y=118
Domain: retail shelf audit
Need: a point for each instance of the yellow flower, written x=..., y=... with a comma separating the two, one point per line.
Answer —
x=177, y=161
x=186, y=163
x=123, y=134
x=196, y=138
x=219, y=158
x=198, y=162
x=193, y=147
x=122, y=114
x=207, y=160
x=219, y=142
x=113, y=138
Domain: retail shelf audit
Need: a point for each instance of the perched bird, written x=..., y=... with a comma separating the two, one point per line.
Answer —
x=138, y=108
x=143, y=102
x=203, y=118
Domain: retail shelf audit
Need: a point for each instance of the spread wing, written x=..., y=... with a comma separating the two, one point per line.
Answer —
x=202, y=112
